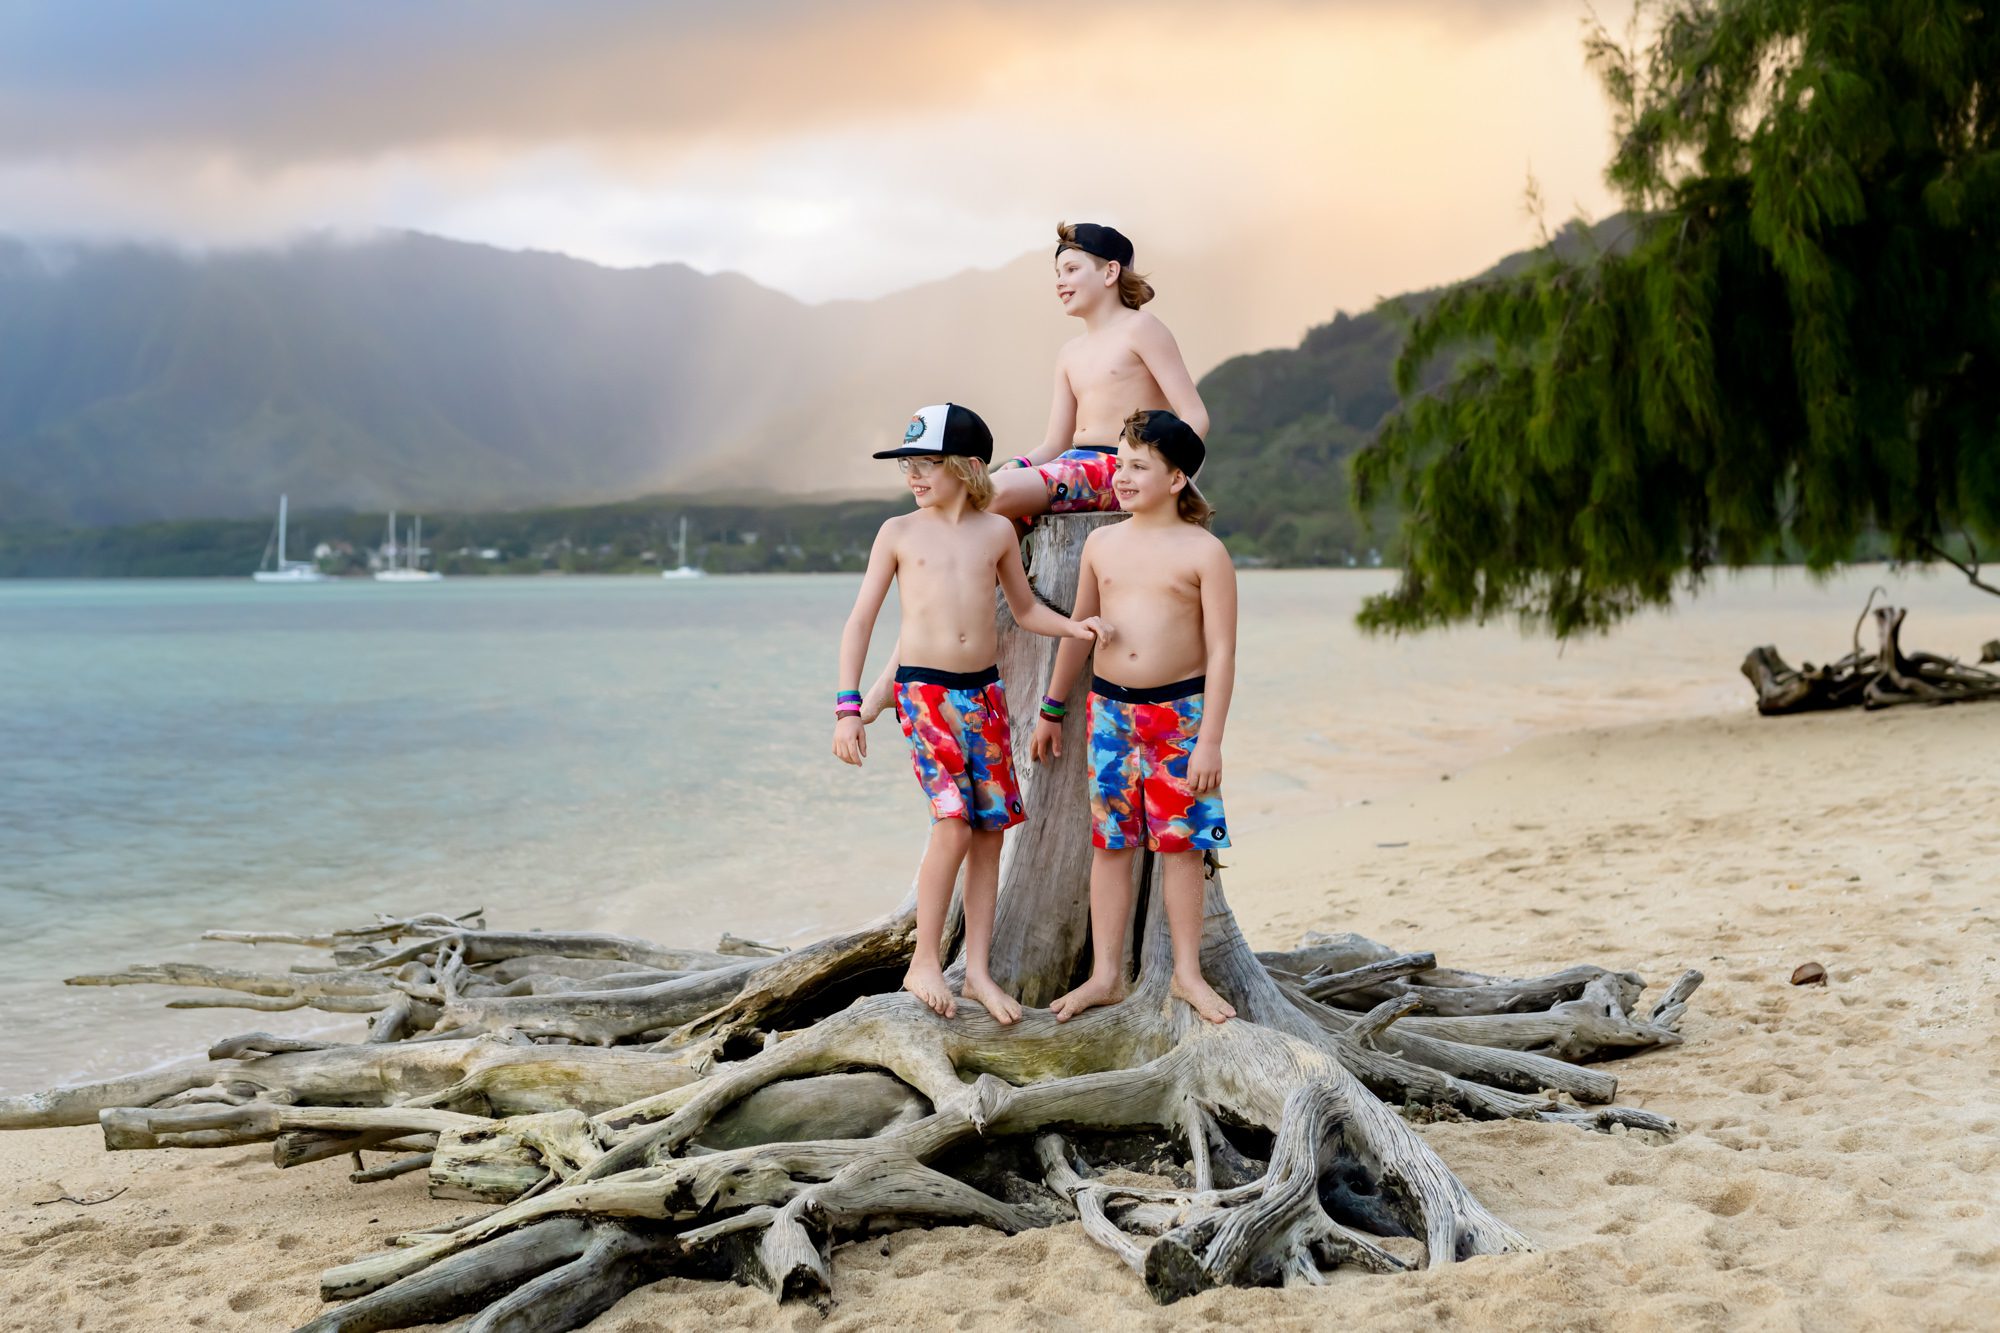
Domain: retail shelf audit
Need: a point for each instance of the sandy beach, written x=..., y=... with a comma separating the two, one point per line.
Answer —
x=1835, y=1170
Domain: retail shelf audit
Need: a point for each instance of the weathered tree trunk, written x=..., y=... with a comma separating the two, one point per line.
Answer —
x=739, y=1112
x=1044, y=909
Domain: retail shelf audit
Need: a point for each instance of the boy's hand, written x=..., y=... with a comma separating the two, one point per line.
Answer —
x=1090, y=627
x=1047, y=741
x=1204, y=768
x=850, y=742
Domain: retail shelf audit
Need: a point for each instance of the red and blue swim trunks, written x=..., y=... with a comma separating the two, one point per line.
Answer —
x=1079, y=481
x=1140, y=742
x=960, y=744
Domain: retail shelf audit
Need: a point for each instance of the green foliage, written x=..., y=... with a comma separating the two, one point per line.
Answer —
x=1798, y=350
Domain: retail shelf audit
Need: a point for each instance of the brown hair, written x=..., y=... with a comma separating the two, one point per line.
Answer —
x=1133, y=289
x=1188, y=504
x=978, y=486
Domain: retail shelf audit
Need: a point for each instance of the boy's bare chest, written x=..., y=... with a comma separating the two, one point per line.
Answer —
x=1148, y=577
x=937, y=559
x=1110, y=368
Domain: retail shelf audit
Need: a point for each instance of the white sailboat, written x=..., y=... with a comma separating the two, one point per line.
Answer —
x=685, y=570
x=411, y=570
x=282, y=570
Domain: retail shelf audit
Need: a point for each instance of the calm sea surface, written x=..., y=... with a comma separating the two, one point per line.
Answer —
x=651, y=757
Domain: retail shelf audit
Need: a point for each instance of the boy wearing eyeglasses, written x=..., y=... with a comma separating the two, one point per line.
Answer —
x=946, y=558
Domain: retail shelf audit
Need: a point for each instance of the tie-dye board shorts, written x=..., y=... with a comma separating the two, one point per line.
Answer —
x=1079, y=482
x=960, y=744
x=1140, y=741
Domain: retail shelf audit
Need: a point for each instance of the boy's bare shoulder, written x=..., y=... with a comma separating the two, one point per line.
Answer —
x=992, y=532
x=1207, y=548
x=1145, y=326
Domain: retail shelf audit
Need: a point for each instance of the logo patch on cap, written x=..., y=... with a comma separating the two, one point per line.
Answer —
x=915, y=430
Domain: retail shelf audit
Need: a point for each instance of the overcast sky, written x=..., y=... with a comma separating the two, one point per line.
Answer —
x=1354, y=147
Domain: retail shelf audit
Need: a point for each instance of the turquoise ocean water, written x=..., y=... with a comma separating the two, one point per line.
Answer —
x=637, y=755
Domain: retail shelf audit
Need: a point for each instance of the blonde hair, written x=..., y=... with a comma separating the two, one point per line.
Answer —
x=978, y=485
x=1133, y=289
x=1188, y=504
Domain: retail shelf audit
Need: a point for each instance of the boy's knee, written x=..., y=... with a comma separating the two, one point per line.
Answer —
x=987, y=841
x=1114, y=855
x=952, y=833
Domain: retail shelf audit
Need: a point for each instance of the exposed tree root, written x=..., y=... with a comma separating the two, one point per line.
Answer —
x=615, y=1165
x=1881, y=679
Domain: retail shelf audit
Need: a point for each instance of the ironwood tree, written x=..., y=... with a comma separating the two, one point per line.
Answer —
x=1793, y=348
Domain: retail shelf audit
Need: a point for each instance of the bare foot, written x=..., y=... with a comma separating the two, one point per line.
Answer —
x=1005, y=1008
x=1087, y=996
x=927, y=984
x=1197, y=992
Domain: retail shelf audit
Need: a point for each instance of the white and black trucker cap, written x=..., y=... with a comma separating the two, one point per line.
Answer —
x=945, y=428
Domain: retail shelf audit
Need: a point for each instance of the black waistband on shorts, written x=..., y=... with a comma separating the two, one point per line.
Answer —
x=951, y=680
x=1148, y=694
x=1095, y=448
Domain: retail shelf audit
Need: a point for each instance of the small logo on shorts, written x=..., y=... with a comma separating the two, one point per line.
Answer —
x=1218, y=831
x=915, y=430
x=1062, y=490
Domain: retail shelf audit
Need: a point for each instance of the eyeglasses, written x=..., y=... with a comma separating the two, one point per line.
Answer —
x=919, y=467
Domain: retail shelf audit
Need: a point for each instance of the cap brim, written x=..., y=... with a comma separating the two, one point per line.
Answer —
x=912, y=452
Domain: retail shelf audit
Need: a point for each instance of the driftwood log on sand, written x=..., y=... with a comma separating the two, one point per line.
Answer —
x=1883, y=678
x=627, y=1111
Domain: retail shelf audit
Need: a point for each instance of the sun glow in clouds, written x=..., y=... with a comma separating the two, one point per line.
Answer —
x=1332, y=152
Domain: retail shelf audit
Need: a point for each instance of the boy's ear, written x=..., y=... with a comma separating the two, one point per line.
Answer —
x=1178, y=483
x=1112, y=269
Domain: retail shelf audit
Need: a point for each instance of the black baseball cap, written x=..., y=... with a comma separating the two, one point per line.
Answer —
x=1107, y=243
x=944, y=428
x=1173, y=438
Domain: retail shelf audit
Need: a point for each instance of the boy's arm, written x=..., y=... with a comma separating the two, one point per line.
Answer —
x=1162, y=355
x=1218, y=629
x=1062, y=421
x=876, y=697
x=850, y=742
x=1070, y=657
x=1029, y=613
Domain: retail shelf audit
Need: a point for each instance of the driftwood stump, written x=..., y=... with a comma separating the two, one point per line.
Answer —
x=1880, y=679
x=626, y=1110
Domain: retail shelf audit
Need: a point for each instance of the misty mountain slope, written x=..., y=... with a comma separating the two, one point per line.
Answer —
x=415, y=372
